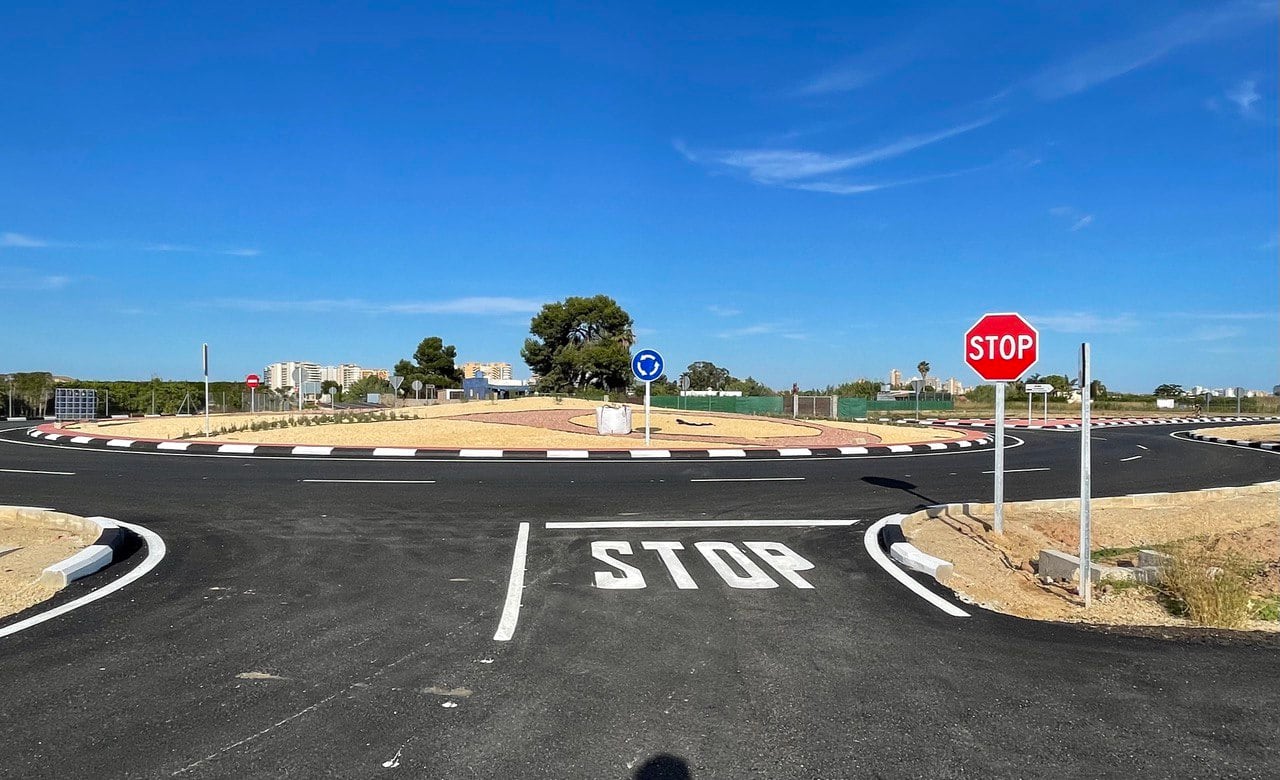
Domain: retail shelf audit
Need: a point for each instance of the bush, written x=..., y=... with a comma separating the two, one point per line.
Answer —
x=1208, y=589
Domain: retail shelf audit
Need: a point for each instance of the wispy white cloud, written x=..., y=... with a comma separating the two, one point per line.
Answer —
x=866, y=67
x=779, y=329
x=779, y=166
x=723, y=311
x=1078, y=219
x=843, y=78
x=28, y=279
x=808, y=170
x=1117, y=58
x=23, y=241
x=1084, y=322
x=1222, y=315
x=1216, y=333
x=1244, y=95
x=492, y=306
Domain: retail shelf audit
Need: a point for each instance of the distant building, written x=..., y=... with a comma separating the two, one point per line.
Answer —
x=380, y=373
x=491, y=370
x=482, y=387
x=895, y=378
x=953, y=386
x=281, y=374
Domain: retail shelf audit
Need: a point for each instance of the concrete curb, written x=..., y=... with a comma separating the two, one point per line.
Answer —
x=110, y=541
x=1257, y=445
x=95, y=557
x=893, y=539
x=1095, y=424
x=908, y=555
x=61, y=437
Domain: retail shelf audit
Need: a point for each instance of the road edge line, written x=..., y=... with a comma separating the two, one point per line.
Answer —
x=515, y=588
x=156, y=550
x=871, y=540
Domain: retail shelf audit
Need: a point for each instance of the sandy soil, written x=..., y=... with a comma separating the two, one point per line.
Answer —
x=897, y=434
x=997, y=573
x=26, y=548
x=527, y=423
x=1244, y=432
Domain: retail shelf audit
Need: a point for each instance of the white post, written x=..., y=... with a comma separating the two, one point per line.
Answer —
x=647, y=387
x=1046, y=408
x=1028, y=409
x=206, y=389
x=999, y=468
x=1086, y=487
x=253, y=400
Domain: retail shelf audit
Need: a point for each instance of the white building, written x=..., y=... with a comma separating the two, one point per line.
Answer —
x=495, y=370
x=281, y=374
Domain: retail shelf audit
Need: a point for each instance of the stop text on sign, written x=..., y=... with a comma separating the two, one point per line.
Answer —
x=1004, y=347
x=734, y=567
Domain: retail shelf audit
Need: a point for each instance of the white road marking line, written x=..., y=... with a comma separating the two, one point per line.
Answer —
x=377, y=481
x=51, y=473
x=650, y=453
x=601, y=524
x=515, y=588
x=794, y=452
x=568, y=454
x=155, y=552
x=1141, y=447
x=480, y=453
x=173, y=445
x=871, y=540
x=726, y=453
x=1018, y=471
x=749, y=479
x=120, y=443
x=1135, y=457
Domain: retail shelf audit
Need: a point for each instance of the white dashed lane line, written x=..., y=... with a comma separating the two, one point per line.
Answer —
x=376, y=481
x=1017, y=471
x=1133, y=457
x=749, y=479
x=48, y=473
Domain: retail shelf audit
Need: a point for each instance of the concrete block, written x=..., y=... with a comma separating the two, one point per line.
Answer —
x=913, y=558
x=1153, y=558
x=1057, y=564
x=82, y=564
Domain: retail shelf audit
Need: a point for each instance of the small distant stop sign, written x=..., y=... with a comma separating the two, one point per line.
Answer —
x=1001, y=347
x=252, y=381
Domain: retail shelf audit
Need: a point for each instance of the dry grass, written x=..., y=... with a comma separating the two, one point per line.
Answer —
x=1209, y=589
x=897, y=434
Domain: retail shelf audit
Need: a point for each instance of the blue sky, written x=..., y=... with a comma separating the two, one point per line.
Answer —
x=808, y=196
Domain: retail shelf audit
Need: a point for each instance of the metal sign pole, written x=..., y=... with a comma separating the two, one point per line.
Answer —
x=253, y=400
x=999, y=468
x=1046, y=408
x=647, y=387
x=1086, y=586
x=1029, y=396
x=206, y=389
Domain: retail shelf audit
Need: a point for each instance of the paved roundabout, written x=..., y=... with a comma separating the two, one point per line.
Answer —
x=706, y=617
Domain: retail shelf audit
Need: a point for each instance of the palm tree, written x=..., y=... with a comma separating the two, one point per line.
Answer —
x=923, y=368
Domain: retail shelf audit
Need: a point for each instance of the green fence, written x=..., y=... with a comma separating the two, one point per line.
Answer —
x=768, y=405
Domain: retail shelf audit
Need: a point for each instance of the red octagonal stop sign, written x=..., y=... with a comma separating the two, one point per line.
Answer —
x=1001, y=347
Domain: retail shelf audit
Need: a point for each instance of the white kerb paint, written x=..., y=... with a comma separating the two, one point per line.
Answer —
x=667, y=552
x=755, y=577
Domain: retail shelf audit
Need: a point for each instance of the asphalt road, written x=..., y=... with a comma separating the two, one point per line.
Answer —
x=372, y=603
